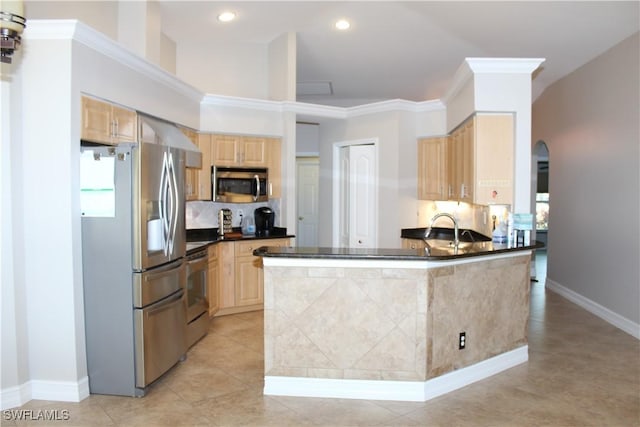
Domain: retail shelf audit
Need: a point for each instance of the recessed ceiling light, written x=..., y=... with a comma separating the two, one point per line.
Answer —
x=226, y=16
x=343, y=24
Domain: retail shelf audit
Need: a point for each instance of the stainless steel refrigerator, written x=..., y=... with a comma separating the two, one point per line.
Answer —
x=133, y=248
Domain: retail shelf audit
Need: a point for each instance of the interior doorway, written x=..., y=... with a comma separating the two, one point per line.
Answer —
x=307, y=186
x=355, y=194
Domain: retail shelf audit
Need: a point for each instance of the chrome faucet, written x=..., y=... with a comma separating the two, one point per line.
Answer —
x=456, y=240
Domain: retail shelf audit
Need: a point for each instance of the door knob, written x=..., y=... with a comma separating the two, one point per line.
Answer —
x=300, y=218
x=360, y=241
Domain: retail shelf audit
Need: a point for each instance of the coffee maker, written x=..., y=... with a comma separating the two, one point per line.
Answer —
x=264, y=217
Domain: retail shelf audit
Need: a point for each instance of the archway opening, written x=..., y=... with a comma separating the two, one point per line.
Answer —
x=542, y=205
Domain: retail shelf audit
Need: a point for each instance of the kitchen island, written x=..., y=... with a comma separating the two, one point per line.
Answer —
x=392, y=324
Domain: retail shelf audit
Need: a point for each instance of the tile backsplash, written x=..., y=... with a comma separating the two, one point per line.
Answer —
x=201, y=214
x=475, y=217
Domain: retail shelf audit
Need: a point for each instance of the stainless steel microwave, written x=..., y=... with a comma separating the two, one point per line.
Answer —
x=239, y=185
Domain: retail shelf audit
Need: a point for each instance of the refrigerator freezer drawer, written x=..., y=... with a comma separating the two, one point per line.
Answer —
x=156, y=284
x=160, y=337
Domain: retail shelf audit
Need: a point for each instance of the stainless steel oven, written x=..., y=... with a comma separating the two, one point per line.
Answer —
x=239, y=185
x=197, y=305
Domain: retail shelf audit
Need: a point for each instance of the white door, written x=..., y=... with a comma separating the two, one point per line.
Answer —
x=307, y=175
x=357, y=196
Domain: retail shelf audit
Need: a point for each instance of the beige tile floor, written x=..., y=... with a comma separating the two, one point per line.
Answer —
x=581, y=372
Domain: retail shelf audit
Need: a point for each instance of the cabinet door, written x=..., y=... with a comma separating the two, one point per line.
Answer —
x=191, y=174
x=204, y=174
x=432, y=169
x=249, y=281
x=226, y=274
x=494, y=159
x=125, y=124
x=453, y=176
x=96, y=120
x=213, y=281
x=226, y=150
x=466, y=162
x=274, y=164
x=252, y=152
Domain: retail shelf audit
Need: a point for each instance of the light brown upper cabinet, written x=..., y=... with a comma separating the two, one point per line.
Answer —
x=474, y=164
x=204, y=173
x=274, y=163
x=191, y=174
x=249, y=152
x=243, y=151
x=107, y=123
x=432, y=169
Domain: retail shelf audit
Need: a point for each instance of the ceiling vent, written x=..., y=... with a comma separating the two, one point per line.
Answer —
x=314, y=88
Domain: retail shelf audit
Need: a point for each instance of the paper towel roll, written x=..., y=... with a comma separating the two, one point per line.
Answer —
x=155, y=237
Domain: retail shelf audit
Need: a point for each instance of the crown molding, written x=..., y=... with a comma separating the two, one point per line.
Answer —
x=472, y=66
x=49, y=29
x=325, y=111
x=504, y=65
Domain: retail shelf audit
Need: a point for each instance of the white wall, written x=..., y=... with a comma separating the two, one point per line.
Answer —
x=397, y=169
x=45, y=326
x=282, y=68
x=232, y=69
x=589, y=121
x=13, y=345
x=100, y=15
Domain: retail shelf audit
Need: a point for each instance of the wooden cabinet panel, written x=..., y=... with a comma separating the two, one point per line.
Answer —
x=477, y=162
x=226, y=263
x=494, y=159
x=225, y=150
x=191, y=174
x=253, y=152
x=240, y=274
x=126, y=124
x=432, y=169
x=413, y=244
x=249, y=281
x=107, y=123
x=204, y=173
x=213, y=280
x=96, y=120
x=274, y=161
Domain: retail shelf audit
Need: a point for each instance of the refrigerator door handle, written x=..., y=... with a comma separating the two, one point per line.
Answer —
x=168, y=198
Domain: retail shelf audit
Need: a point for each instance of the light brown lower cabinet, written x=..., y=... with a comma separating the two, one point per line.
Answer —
x=241, y=275
x=213, y=281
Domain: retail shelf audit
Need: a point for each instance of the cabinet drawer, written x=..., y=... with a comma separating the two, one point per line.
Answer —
x=247, y=248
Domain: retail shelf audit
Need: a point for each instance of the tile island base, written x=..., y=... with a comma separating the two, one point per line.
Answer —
x=373, y=328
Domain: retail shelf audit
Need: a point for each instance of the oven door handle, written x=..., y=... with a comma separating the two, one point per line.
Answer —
x=198, y=264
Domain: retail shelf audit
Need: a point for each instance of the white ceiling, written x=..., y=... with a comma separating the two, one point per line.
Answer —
x=410, y=50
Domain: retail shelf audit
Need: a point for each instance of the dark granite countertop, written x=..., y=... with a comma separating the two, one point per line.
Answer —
x=472, y=244
x=199, y=238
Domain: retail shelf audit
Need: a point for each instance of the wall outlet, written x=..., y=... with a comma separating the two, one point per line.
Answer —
x=240, y=212
x=462, y=340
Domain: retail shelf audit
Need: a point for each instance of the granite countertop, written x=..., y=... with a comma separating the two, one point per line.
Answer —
x=472, y=244
x=198, y=238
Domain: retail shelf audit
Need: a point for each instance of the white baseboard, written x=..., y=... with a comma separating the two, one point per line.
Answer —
x=414, y=391
x=13, y=397
x=604, y=313
x=59, y=391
